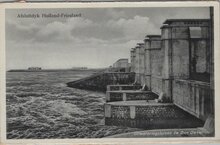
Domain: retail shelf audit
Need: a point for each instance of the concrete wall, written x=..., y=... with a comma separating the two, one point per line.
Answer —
x=194, y=96
x=99, y=82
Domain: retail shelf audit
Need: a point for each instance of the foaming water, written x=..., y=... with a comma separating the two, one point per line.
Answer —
x=40, y=105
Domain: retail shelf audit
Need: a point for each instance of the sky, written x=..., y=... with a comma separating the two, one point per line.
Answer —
x=97, y=39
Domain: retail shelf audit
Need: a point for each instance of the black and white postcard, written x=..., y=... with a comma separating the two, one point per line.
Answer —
x=109, y=72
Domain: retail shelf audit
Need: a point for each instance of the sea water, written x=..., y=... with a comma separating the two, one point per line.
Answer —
x=40, y=106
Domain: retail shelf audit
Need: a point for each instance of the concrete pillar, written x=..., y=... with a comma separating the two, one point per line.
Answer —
x=107, y=110
x=137, y=64
x=107, y=96
x=147, y=64
x=155, y=59
x=132, y=112
x=176, y=45
x=108, y=88
x=141, y=62
x=166, y=45
x=124, y=97
x=166, y=40
x=132, y=59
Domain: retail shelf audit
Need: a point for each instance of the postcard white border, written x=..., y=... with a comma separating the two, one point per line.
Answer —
x=4, y=6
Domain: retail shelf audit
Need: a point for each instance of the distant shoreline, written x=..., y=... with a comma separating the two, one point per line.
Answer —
x=52, y=70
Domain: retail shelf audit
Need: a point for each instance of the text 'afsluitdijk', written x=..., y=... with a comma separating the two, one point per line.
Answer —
x=49, y=15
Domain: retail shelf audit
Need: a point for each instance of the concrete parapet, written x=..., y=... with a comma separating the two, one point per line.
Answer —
x=126, y=95
x=148, y=115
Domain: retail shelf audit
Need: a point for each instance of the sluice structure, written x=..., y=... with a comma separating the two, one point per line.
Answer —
x=173, y=80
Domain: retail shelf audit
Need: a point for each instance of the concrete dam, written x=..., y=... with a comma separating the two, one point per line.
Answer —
x=168, y=84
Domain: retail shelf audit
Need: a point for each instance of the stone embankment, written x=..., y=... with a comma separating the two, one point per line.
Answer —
x=99, y=82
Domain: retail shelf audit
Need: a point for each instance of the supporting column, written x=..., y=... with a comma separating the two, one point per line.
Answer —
x=139, y=59
x=147, y=64
x=166, y=41
x=137, y=65
x=156, y=60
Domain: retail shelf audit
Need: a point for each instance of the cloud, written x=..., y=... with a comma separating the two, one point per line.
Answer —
x=115, y=14
x=62, y=30
x=65, y=27
x=82, y=29
x=19, y=32
x=134, y=28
